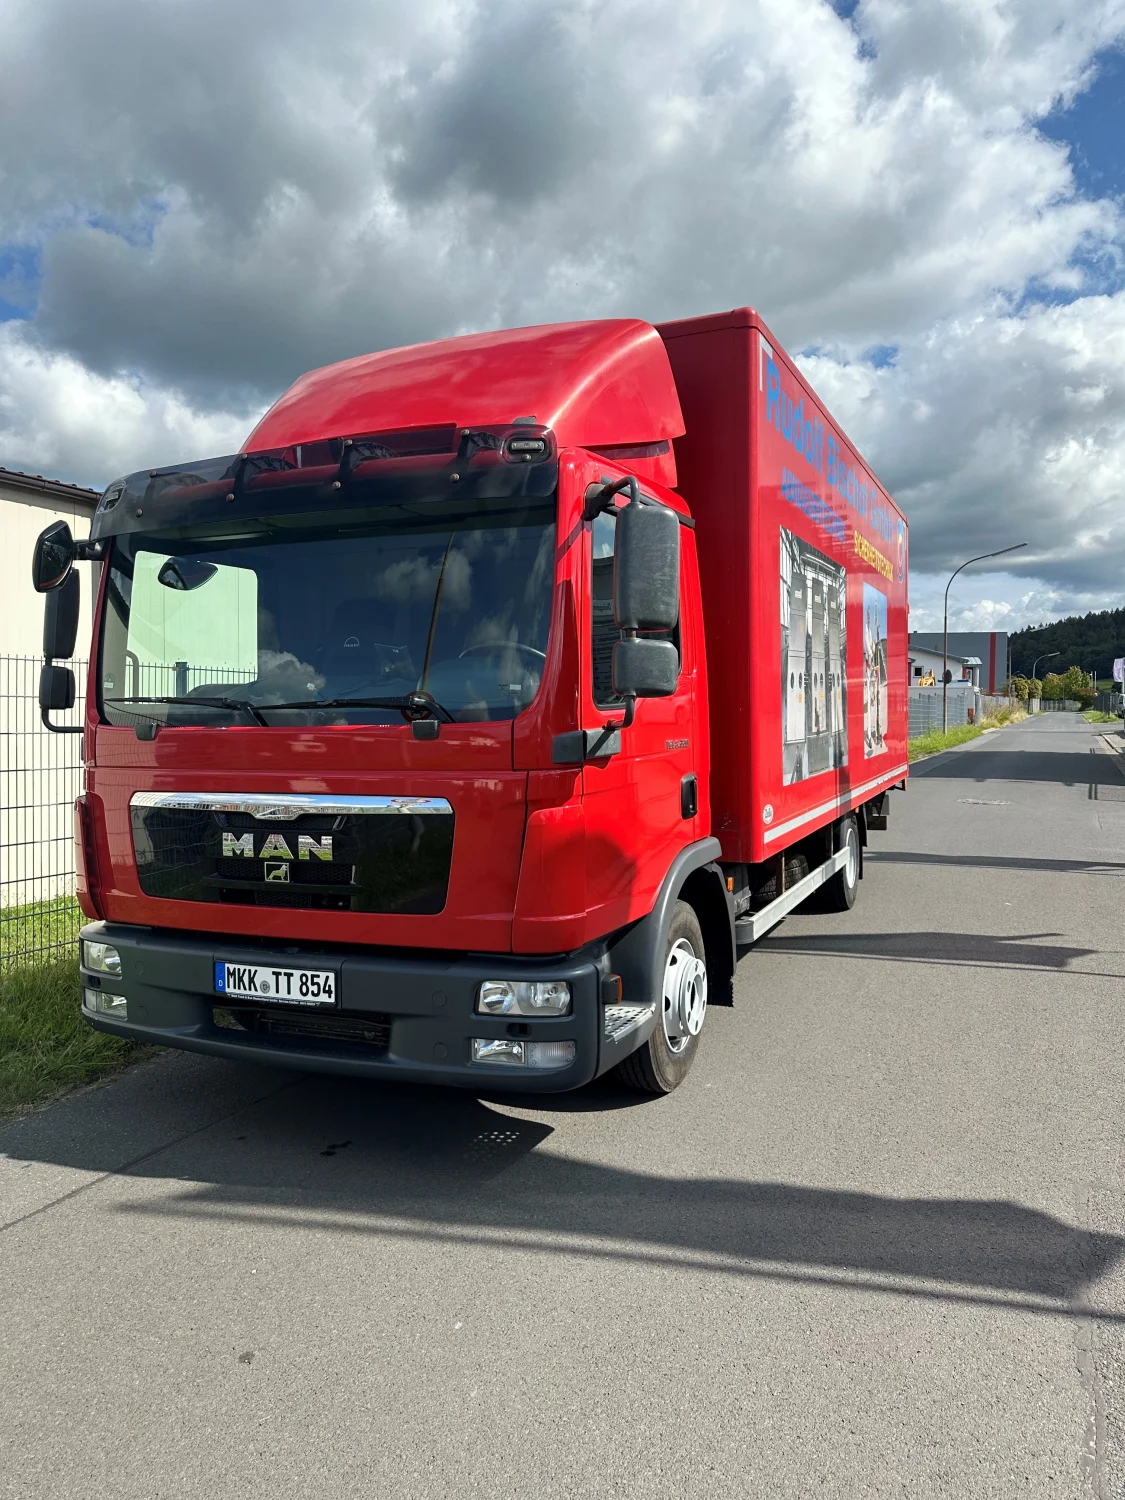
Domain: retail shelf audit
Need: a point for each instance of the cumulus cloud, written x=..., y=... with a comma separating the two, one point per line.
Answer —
x=268, y=186
x=59, y=418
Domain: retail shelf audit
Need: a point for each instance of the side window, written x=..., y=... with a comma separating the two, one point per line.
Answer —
x=603, y=631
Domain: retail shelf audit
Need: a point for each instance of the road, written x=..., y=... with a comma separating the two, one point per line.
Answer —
x=873, y=1247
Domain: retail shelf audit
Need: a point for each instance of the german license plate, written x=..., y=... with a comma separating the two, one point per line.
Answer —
x=276, y=986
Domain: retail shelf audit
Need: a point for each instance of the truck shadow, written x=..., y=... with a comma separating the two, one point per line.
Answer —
x=994, y=862
x=1065, y=768
x=972, y=949
x=406, y=1164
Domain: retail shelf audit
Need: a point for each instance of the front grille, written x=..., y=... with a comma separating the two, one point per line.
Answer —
x=281, y=895
x=397, y=861
x=231, y=871
x=372, y=1033
x=240, y=822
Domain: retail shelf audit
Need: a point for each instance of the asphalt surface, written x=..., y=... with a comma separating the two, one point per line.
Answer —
x=875, y=1245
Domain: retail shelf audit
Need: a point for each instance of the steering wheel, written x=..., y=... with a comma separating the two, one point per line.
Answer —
x=495, y=647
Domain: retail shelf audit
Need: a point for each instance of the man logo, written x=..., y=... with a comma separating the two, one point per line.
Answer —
x=277, y=870
x=276, y=847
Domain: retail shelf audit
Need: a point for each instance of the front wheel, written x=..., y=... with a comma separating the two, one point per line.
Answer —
x=662, y=1063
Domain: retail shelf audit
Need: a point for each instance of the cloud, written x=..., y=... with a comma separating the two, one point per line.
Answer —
x=269, y=186
x=1000, y=429
x=59, y=418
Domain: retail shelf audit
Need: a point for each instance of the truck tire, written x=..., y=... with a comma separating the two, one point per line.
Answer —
x=839, y=893
x=661, y=1064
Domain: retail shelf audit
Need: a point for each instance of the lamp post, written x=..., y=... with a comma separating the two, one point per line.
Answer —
x=945, y=627
x=1045, y=657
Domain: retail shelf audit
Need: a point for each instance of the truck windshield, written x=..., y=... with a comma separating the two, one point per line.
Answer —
x=451, y=602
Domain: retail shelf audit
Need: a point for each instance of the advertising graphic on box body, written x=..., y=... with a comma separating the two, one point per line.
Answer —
x=813, y=653
x=874, y=671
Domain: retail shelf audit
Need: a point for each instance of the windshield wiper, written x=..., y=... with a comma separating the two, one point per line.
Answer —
x=410, y=705
x=235, y=704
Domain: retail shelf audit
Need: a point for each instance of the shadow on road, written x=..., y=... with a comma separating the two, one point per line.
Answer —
x=1065, y=768
x=994, y=862
x=411, y=1164
x=1019, y=951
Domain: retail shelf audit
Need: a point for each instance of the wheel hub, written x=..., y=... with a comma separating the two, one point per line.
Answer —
x=684, y=996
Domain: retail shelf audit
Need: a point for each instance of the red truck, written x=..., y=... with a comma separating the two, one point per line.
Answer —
x=463, y=727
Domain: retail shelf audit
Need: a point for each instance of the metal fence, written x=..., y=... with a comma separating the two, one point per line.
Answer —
x=40, y=776
x=1058, y=705
x=924, y=707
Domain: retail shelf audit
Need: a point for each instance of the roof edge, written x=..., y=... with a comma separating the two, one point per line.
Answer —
x=55, y=487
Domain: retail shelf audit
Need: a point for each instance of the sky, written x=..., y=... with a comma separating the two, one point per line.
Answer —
x=201, y=199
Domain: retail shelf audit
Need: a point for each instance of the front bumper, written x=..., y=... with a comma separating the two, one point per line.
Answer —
x=419, y=1009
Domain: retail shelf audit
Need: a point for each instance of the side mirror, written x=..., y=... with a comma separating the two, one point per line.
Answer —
x=56, y=688
x=60, y=619
x=56, y=691
x=53, y=558
x=947, y=675
x=646, y=568
x=644, y=669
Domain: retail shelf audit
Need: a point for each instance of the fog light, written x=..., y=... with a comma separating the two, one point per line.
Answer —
x=510, y=997
x=551, y=1054
x=101, y=957
x=107, y=1005
x=507, y=1053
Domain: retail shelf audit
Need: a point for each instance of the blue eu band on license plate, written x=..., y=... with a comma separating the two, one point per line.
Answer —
x=275, y=986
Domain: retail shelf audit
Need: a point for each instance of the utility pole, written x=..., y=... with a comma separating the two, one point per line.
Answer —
x=945, y=628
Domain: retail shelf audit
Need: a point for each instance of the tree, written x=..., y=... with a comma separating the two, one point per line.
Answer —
x=1076, y=684
x=1023, y=687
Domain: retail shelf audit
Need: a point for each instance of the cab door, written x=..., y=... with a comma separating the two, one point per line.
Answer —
x=642, y=804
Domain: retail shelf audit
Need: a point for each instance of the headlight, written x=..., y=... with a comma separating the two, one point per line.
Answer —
x=539, y=997
x=102, y=957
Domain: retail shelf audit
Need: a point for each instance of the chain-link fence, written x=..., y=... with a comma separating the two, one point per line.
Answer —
x=40, y=776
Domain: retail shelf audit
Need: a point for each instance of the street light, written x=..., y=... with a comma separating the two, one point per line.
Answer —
x=945, y=627
x=1045, y=657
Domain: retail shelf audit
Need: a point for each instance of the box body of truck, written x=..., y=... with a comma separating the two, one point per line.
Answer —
x=803, y=571
x=368, y=788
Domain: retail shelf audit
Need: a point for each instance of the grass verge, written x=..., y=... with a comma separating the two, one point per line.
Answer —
x=40, y=932
x=45, y=1045
x=1096, y=716
x=935, y=740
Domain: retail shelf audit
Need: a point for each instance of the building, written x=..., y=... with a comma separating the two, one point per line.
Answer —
x=924, y=663
x=28, y=502
x=991, y=646
x=40, y=772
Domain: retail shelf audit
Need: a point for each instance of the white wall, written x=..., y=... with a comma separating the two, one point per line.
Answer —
x=22, y=517
x=40, y=773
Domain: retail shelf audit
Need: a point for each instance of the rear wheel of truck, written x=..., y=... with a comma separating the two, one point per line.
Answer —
x=839, y=893
x=662, y=1063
